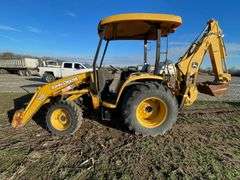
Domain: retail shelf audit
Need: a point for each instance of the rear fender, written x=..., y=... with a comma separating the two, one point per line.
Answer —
x=136, y=79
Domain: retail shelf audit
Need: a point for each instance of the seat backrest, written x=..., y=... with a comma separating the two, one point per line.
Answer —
x=145, y=68
x=114, y=86
x=101, y=80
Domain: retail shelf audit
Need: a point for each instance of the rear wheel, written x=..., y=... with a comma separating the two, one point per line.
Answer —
x=150, y=109
x=21, y=72
x=28, y=73
x=64, y=118
x=3, y=71
x=48, y=77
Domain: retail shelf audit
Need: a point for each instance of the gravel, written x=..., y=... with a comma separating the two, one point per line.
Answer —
x=19, y=84
x=15, y=83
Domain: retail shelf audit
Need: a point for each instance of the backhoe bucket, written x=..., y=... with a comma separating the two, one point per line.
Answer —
x=212, y=88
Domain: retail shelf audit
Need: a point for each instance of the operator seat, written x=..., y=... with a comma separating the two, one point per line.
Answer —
x=101, y=79
x=116, y=82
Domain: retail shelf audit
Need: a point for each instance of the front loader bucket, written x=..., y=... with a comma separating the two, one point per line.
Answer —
x=212, y=88
x=17, y=119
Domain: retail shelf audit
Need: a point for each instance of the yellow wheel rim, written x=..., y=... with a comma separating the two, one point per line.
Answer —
x=151, y=112
x=60, y=119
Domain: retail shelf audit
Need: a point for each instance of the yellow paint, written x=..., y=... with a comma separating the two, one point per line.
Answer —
x=109, y=105
x=151, y=112
x=60, y=119
x=214, y=45
x=191, y=95
x=142, y=17
x=138, y=77
x=138, y=25
x=95, y=101
x=133, y=78
x=44, y=93
x=75, y=94
x=189, y=64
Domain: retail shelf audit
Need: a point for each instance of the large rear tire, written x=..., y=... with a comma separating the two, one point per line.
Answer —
x=64, y=118
x=21, y=73
x=3, y=71
x=28, y=73
x=149, y=109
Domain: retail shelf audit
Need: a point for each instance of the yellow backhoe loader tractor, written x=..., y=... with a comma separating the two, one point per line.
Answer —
x=147, y=101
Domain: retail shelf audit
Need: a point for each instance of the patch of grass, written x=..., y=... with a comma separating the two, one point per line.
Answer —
x=213, y=104
x=11, y=159
x=211, y=165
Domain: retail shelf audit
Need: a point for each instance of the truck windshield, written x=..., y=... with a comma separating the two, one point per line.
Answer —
x=78, y=66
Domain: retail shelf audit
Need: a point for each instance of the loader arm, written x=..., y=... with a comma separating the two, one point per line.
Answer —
x=44, y=94
x=211, y=41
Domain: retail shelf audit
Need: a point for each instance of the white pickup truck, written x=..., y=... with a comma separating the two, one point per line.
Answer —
x=50, y=73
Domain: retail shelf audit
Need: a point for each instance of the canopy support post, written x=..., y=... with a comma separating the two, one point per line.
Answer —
x=145, y=51
x=157, y=62
x=104, y=53
x=95, y=62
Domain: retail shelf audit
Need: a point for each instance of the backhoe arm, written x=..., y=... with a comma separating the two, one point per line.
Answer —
x=44, y=94
x=210, y=41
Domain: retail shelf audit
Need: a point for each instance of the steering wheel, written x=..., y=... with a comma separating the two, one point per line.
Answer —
x=114, y=68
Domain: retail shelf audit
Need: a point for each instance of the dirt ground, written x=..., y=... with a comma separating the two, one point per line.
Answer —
x=203, y=144
x=19, y=84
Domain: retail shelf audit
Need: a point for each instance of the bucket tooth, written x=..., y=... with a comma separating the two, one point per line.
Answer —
x=17, y=119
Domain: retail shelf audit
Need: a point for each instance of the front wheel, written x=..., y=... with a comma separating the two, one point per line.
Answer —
x=3, y=71
x=21, y=72
x=28, y=73
x=150, y=109
x=64, y=118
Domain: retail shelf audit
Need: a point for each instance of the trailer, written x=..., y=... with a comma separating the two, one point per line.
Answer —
x=21, y=66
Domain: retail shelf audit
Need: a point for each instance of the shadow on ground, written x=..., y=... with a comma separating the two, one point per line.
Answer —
x=19, y=103
x=113, y=121
x=35, y=79
x=236, y=104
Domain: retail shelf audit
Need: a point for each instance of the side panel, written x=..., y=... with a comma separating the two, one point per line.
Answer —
x=31, y=63
x=13, y=63
x=20, y=63
x=54, y=70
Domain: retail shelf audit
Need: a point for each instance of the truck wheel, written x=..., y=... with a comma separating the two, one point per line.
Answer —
x=28, y=73
x=3, y=71
x=64, y=118
x=149, y=109
x=21, y=73
x=48, y=77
